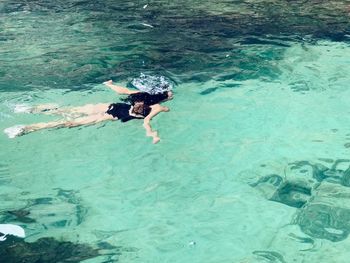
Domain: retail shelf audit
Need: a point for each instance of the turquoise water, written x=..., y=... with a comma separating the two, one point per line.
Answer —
x=254, y=155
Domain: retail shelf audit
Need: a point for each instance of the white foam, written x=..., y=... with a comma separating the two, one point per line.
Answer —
x=148, y=25
x=152, y=84
x=14, y=131
x=9, y=229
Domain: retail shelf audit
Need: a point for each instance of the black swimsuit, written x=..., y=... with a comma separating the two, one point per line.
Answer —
x=121, y=111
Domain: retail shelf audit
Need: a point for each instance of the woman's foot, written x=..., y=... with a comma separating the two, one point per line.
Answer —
x=22, y=108
x=15, y=131
x=44, y=108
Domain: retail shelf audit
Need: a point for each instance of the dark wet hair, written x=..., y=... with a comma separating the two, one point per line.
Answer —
x=141, y=108
x=146, y=98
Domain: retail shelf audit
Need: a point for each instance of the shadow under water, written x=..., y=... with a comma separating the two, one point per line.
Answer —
x=62, y=208
x=20, y=215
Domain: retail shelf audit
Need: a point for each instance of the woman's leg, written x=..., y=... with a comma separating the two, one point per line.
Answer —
x=25, y=108
x=72, y=112
x=19, y=130
x=88, y=120
x=89, y=109
x=44, y=107
x=51, y=109
x=85, y=115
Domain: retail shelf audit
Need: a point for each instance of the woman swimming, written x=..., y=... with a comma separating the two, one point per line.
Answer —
x=140, y=105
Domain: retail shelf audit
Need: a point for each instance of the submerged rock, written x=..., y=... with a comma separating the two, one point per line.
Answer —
x=325, y=222
x=319, y=193
x=292, y=194
x=44, y=250
x=327, y=215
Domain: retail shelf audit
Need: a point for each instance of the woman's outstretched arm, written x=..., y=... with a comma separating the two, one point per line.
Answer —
x=147, y=121
x=118, y=89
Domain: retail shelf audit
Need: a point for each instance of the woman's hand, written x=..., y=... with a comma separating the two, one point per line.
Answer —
x=119, y=89
x=150, y=132
x=108, y=82
x=147, y=122
x=156, y=139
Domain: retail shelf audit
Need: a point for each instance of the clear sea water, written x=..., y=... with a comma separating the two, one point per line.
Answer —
x=253, y=163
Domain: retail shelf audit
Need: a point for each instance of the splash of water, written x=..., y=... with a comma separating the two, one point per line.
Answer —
x=152, y=84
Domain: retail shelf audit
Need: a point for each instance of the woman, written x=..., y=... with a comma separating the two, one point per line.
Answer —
x=141, y=106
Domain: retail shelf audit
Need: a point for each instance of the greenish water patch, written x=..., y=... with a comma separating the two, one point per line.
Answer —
x=76, y=43
x=258, y=85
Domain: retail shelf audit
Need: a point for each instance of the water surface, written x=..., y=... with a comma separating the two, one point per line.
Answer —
x=253, y=165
